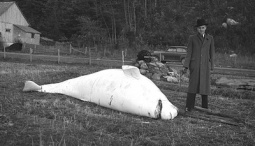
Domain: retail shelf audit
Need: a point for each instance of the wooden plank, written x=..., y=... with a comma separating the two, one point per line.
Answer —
x=215, y=120
x=220, y=114
x=217, y=113
x=208, y=118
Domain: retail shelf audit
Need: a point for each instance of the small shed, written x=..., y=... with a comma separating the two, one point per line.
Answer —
x=14, y=27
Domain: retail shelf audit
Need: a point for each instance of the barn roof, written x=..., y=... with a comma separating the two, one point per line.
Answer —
x=27, y=29
x=4, y=6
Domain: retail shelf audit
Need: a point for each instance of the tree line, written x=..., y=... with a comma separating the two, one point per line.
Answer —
x=143, y=22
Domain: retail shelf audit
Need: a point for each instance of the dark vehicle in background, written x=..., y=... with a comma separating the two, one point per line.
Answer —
x=172, y=54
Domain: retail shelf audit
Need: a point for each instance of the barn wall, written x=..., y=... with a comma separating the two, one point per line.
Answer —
x=18, y=34
x=13, y=15
x=30, y=40
x=26, y=37
x=7, y=36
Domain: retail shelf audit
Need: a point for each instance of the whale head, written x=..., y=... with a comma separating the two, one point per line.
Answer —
x=143, y=87
x=169, y=111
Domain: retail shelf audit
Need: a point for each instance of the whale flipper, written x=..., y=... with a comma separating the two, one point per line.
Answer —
x=31, y=86
x=131, y=71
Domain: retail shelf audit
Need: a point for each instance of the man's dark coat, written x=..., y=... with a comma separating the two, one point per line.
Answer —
x=200, y=60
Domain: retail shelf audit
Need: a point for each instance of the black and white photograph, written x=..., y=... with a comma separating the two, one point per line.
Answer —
x=127, y=72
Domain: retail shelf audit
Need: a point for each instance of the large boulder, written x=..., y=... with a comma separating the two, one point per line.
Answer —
x=152, y=68
x=156, y=70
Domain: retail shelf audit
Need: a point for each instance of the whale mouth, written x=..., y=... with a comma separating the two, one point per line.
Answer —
x=169, y=111
x=158, y=109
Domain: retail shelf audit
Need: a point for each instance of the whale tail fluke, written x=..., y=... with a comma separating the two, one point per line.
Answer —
x=31, y=86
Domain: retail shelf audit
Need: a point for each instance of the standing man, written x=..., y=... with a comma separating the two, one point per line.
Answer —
x=199, y=61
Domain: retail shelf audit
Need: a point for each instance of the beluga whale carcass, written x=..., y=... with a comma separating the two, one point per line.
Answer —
x=124, y=90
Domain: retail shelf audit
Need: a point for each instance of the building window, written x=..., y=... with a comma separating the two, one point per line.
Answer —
x=32, y=35
x=8, y=30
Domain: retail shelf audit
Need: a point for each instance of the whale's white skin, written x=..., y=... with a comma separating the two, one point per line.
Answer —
x=125, y=90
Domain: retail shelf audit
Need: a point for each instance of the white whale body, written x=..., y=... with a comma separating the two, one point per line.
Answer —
x=125, y=90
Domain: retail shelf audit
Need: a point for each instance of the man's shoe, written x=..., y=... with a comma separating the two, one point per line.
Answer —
x=187, y=109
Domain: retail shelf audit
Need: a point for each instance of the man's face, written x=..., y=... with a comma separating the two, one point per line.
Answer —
x=201, y=29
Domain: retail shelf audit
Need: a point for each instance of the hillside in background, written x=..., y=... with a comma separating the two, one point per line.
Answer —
x=143, y=22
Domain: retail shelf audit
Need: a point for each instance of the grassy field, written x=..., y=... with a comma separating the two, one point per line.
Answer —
x=53, y=119
x=240, y=61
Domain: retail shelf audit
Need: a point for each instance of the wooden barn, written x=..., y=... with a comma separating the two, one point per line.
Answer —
x=14, y=27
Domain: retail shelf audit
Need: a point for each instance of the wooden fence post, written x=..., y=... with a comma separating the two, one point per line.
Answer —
x=4, y=53
x=58, y=55
x=86, y=50
x=125, y=52
x=24, y=45
x=89, y=56
x=104, y=50
x=123, y=58
x=70, y=49
x=30, y=54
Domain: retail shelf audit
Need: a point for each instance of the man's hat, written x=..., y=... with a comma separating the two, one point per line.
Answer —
x=201, y=22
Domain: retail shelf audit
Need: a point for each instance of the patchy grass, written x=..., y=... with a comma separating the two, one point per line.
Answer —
x=240, y=61
x=225, y=92
x=53, y=119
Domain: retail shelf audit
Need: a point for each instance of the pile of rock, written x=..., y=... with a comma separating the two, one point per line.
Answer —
x=154, y=69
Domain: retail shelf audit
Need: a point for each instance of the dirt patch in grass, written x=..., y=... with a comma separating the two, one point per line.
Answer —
x=54, y=119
